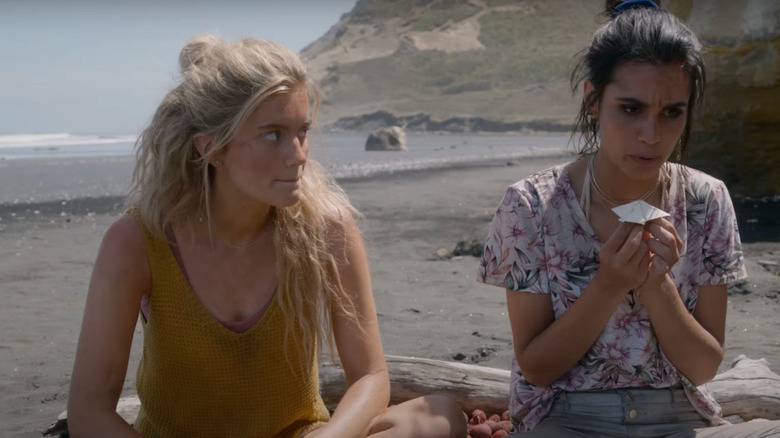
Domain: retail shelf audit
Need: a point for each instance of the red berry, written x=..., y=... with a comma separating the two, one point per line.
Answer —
x=494, y=425
x=480, y=431
x=494, y=417
x=478, y=417
x=505, y=416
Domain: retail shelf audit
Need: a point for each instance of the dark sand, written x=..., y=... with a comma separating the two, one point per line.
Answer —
x=53, y=214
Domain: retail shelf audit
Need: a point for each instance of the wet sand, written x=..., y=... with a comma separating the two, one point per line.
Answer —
x=53, y=215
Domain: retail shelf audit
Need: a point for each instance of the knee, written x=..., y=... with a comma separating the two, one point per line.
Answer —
x=445, y=411
x=430, y=416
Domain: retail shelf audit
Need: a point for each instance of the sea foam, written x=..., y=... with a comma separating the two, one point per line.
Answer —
x=19, y=141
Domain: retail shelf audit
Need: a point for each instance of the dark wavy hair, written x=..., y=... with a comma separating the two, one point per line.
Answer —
x=636, y=34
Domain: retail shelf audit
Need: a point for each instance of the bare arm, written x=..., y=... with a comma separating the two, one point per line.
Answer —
x=694, y=343
x=547, y=348
x=120, y=278
x=359, y=344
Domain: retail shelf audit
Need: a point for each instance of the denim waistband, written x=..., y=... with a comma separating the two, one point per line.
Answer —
x=629, y=405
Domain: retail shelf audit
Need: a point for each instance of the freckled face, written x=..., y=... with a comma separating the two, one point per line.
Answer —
x=642, y=115
x=264, y=162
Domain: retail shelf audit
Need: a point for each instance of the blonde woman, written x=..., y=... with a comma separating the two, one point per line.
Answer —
x=241, y=257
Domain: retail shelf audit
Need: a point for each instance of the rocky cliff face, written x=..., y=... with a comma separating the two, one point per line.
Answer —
x=502, y=60
x=739, y=136
x=504, y=64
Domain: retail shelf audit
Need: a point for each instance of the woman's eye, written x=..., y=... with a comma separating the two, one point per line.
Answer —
x=673, y=113
x=630, y=109
x=272, y=136
x=302, y=134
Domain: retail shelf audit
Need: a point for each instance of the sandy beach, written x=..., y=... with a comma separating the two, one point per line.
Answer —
x=53, y=215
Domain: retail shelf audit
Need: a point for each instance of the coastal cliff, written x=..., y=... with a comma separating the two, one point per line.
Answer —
x=450, y=61
x=738, y=138
x=504, y=65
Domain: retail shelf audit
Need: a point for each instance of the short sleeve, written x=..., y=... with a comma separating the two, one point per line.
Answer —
x=514, y=250
x=722, y=258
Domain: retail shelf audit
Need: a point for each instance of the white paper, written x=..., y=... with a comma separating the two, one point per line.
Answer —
x=638, y=212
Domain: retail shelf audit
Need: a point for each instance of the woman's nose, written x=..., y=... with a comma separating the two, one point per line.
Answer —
x=298, y=151
x=649, y=131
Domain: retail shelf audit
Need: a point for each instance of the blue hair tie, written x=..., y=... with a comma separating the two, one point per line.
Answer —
x=632, y=4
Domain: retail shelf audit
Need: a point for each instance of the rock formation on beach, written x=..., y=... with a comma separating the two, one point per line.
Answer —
x=504, y=65
x=387, y=139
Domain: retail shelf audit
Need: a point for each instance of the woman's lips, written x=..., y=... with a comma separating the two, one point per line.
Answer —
x=289, y=182
x=643, y=159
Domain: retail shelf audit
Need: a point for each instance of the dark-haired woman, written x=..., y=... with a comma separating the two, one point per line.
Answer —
x=617, y=326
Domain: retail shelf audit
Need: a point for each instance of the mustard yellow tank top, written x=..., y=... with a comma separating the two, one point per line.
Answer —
x=199, y=379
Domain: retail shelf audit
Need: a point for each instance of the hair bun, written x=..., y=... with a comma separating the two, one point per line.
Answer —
x=615, y=7
x=610, y=5
x=195, y=50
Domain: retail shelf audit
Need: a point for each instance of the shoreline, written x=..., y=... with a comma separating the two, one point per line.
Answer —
x=21, y=196
x=46, y=259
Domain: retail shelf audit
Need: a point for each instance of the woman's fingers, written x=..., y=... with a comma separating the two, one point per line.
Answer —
x=635, y=259
x=664, y=231
x=662, y=234
x=624, y=258
x=645, y=259
x=618, y=238
x=664, y=242
x=669, y=254
x=632, y=246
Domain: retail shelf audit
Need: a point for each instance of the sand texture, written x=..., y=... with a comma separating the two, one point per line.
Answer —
x=429, y=306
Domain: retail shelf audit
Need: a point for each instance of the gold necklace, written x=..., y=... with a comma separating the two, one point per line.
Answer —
x=606, y=197
x=226, y=242
x=244, y=246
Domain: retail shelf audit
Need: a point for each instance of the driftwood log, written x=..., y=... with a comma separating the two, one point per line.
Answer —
x=473, y=386
x=748, y=390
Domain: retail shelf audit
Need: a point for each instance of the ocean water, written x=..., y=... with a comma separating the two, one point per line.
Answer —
x=63, y=145
x=343, y=153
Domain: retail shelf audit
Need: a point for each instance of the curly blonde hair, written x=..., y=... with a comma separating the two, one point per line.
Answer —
x=221, y=84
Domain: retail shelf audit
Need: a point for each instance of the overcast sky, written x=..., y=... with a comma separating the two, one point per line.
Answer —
x=102, y=66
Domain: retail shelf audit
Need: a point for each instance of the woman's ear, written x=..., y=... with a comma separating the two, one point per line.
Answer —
x=202, y=143
x=588, y=97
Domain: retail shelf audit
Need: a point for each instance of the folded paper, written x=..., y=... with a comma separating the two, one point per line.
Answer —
x=638, y=212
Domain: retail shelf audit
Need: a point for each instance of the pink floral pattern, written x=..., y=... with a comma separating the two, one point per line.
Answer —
x=541, y=242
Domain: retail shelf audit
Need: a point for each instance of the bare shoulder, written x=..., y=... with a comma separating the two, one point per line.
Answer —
x=125, y=239
x=122, y=256
x=125, y=230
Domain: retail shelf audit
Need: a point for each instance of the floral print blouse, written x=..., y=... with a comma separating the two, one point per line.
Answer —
x=541, y=242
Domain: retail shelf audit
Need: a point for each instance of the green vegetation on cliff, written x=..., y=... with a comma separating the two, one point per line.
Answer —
x=499, y=59
x=422, y=15
x=509, y=62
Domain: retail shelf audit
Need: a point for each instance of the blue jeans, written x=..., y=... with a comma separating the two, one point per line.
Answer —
x=636, y=413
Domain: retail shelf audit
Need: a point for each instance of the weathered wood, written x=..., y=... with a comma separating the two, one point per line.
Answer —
x=473, y=386
x=127, y=408
x=749, y=389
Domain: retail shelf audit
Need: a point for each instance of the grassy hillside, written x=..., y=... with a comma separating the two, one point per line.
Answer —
x=509, y=62
x=383, y=55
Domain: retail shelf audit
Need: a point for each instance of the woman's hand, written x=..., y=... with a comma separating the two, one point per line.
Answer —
x=693, y=343
x=664, y=245
x=624, y=259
